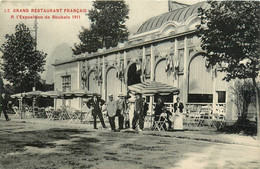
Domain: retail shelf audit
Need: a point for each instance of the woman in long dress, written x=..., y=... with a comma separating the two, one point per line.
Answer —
x=178, y=110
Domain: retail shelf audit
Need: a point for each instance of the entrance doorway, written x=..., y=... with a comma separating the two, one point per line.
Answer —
x=133, y=75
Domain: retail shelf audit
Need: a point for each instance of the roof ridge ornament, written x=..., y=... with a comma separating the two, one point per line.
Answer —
x=173, y=5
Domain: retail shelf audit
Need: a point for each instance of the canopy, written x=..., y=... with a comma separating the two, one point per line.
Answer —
x=18, y=95
x=33, y=93
x=53, y=94
x=78, y=93
x=153, y=87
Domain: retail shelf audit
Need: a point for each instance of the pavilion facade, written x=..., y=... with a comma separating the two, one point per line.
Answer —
x=165, y=49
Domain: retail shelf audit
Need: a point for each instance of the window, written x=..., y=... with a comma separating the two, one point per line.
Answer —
x=200, y=98
x=221, y=96
x=66, y=83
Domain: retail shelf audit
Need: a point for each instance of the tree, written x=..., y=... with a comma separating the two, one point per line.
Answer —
x=229, y=32
x=244, y=95
x=21, y=62
x=107, y=27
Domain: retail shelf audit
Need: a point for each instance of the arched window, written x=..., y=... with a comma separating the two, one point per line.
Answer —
x=200, y=81
x=113, y=83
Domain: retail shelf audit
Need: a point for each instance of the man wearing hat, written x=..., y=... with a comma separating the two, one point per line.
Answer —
x=4, y=106
x=121, y=109
x=111, y=111
x=138, y=113
x=95, y=103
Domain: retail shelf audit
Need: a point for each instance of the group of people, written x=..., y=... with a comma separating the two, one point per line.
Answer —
x=162, y=114
x=132, y=114
x=128, y=113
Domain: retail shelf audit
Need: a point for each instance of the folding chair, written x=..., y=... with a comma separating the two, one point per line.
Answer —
x=212, y=122
x=86, y=117
x=218, y=121
x=222, y=121
x=73, y=115
x=63, y=115
x=193, y=121
x=55, y=114
x=158, y=125
x=28, y=112
x=48, y=113
x=16, y=111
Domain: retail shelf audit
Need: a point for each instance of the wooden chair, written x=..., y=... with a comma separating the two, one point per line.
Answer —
x=158, y=125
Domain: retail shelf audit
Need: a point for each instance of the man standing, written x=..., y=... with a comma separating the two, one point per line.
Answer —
x=146, y=107
x=121, y=109
x=138, y=113
x=4, y=106
x=95, y=103
x=111, y=112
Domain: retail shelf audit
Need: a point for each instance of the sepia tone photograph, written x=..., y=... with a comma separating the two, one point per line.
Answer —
x=171, y=84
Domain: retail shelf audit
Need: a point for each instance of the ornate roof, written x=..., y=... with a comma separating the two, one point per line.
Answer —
x=178, y=15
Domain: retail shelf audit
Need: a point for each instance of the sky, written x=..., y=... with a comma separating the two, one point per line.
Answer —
x=56, y=36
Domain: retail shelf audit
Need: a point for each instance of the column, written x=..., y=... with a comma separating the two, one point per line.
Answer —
x=79, y=100
x=98, y=69
x=185, y=71
x=103, y=78
x=176, y=55
x=143, y=63
x=152, y=63
x=152, y=77
x=125, y=82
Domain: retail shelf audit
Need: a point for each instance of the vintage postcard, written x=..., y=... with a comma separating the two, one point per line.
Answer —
x=129, y=84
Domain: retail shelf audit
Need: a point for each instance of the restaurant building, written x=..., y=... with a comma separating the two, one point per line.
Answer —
x=164, y=49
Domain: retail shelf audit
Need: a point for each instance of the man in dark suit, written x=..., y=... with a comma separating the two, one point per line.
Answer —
x=145, y=108
x=121, y=109
x=95, y=103
x=178, y=105
x=4, y=106
x=138, y=112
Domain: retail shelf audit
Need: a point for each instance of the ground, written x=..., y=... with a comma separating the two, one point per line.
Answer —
x=26, y=144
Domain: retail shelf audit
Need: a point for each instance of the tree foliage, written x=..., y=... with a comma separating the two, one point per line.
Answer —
x=107, y=27
x=230, y=35
x=229, y=32
x=21, y=62
x=244, y=95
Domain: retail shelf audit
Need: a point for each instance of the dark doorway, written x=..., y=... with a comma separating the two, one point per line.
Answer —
x=133, y=76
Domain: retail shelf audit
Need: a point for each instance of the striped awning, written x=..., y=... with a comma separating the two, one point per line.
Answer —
x=153, y=87
x=18, y=95
x=53, y=94
x=33, y=94
x=78, y=93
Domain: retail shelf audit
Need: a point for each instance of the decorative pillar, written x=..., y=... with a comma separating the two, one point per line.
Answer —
x=103, y=78
x=152, y=78
x=124, y=80
x=79, y=100
x=152, y=63
x=185, y=71
x=144, y=64
x=176, y=55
